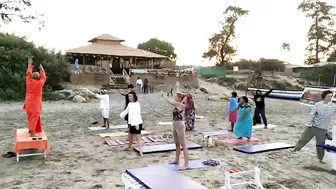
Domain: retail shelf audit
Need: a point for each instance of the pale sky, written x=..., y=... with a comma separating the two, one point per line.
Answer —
x=186, y=24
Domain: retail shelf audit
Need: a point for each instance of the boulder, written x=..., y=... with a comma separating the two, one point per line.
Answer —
x=79, y=99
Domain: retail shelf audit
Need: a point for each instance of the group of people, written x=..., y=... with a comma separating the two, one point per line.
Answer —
x=183, y=115
x=240, y=113
x=143, y=86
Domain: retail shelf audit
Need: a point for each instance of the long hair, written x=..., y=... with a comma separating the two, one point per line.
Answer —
x=135, y=97
x=190, y=102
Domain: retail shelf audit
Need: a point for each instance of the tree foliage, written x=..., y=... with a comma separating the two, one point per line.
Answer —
x=11, y=9
x=219, y=43
x=321, y=31
x=157, y=46
x=285, y=46
x=14, y=53
x=262, y=64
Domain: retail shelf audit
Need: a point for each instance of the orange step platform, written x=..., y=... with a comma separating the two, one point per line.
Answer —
x=23, y=141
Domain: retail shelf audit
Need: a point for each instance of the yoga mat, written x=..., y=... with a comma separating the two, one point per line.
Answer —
x=199, y=117
x=120, y=134
x=262, y=148
x=165, y=148
x=327, y=147
x=99, y=128
x=193, y=164
x=235, y=141
x=214, y=133
x=162, y=178
x=165, y=123
x=261, y=126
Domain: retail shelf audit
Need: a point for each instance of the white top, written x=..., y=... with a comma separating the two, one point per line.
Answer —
x=139, y=82
x=104, y=101
x=134, y=113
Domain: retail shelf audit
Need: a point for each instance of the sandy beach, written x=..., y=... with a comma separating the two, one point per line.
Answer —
x=79, y=158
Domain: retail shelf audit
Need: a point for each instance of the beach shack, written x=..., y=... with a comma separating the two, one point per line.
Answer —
x=106, y=61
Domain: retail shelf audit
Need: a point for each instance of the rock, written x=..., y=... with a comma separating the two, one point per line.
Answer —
x=79, y=99
x=204, y=90
x=68, y=94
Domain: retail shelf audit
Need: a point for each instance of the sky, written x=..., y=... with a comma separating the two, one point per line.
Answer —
x=186, y=24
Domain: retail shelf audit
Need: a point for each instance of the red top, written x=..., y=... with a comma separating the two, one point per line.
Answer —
x=33, y=101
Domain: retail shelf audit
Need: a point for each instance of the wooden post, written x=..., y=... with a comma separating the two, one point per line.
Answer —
x=152, y=63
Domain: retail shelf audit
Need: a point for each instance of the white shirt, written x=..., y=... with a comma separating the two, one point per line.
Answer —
x=134, y=113
x=139, y=82
x=104, y=101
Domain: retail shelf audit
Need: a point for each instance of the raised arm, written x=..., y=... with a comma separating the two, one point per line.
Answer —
x=43, y=76
x=29, y=69
x=172, y=102
x=268, y=92
x=311, y=116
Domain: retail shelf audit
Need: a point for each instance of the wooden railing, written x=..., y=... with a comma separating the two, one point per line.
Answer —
x=112, y=78
x=126, y=76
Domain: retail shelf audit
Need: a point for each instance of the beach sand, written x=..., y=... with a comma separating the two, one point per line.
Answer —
x=79, y=159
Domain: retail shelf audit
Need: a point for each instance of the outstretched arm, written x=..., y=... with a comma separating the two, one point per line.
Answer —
x=268, y=92
x=172, y=102
x=124, y=113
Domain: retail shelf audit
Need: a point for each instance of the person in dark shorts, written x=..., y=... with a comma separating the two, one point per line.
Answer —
x=133, y=110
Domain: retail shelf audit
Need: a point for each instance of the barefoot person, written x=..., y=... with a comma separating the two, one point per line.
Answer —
x=133, y=111
x=233, y=104
x=259, y=100
x=179, y=129
x=319, y=120
x=104, y=106
x=190, y=112
x=33, y=100
x=243, y=127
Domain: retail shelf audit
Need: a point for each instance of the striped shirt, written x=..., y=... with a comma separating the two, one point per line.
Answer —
x=321, y=115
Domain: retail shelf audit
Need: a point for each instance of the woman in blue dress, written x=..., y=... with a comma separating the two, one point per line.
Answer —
x=243, y=127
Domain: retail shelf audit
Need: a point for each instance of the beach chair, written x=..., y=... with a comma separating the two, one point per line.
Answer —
x=255, y=183
x=23, y=141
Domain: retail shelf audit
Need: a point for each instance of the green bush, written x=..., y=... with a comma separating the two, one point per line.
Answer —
x=263, y=63
x=14, y=53
x=324, y=74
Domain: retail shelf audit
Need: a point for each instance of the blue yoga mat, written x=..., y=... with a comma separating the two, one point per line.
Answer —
x=162, y=178
x=166, y=148
x=262, y=148
x=327, y=147
x=193, y=164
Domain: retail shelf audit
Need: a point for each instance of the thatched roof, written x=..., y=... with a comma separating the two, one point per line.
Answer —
x=109, y=45
x=106, y=37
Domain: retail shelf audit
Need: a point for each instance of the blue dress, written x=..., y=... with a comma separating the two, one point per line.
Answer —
x=243, y=128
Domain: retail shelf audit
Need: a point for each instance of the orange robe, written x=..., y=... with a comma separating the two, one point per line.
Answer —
x=33, y=101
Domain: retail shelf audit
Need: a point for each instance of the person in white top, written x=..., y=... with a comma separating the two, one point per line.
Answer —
x=134, y=120
x=139, y=85
x=104, y=106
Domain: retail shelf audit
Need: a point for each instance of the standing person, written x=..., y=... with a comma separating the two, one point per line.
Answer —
x=259, y=100
x=139, y=85
x=133, y=110
x=243, y=127
x=179, y=129
x=190, y=112
x=232, y=106
x=319, y=120
x=33, y=101
x=145, y=86
x=104, y=106
x=130, y=88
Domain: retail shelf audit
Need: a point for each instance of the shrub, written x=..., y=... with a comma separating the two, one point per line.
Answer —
x=324, y=74
x=14, y=53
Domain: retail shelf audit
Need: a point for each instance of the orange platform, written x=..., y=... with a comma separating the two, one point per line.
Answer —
x=23, y=141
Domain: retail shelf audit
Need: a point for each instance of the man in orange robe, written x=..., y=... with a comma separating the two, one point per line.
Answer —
x=33, y=101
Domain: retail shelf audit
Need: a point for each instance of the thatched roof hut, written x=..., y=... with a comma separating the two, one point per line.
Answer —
x=111, y=46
